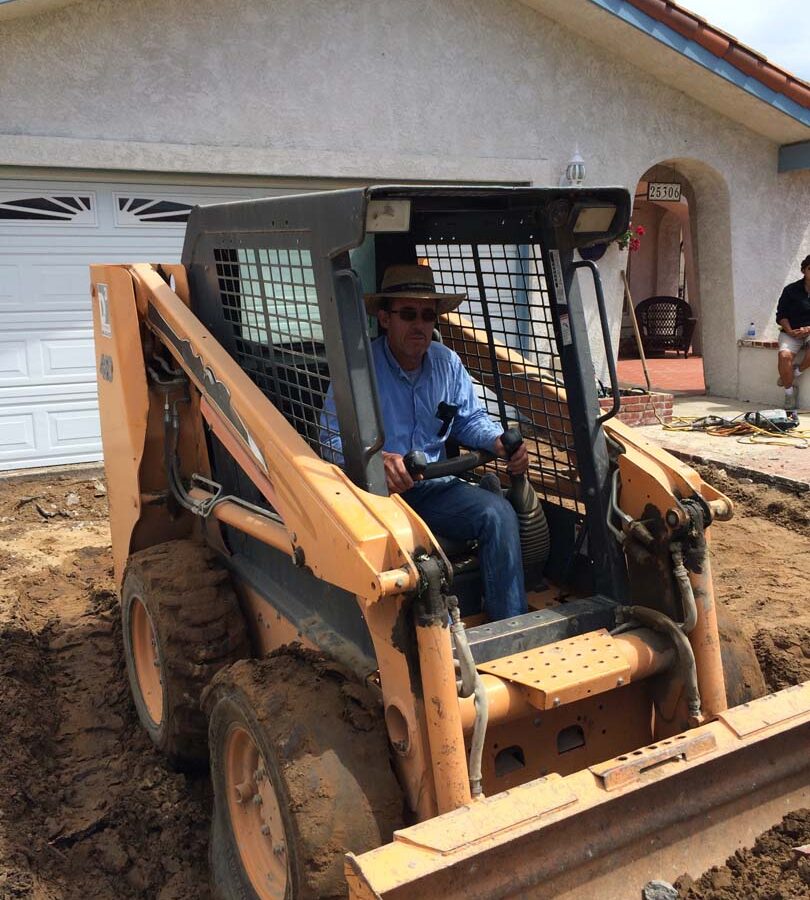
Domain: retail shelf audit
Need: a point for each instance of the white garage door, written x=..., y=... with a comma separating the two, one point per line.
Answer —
x=50, y=232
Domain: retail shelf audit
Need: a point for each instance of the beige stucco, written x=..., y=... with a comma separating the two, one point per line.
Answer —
x=488, y=90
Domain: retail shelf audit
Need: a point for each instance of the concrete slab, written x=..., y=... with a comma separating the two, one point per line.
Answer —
x=777, y=461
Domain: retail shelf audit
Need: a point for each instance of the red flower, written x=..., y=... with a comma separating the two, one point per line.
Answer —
x=635, y=243
x=641, y=230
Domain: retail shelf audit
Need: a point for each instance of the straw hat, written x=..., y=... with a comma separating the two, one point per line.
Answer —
x=412, y=281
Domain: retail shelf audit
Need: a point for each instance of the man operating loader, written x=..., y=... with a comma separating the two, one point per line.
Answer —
x=426, y=395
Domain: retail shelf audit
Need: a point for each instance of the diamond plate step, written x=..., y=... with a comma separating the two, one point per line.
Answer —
x=565, y=671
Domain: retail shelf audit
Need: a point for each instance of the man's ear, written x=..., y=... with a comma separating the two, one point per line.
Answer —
x=383, y=317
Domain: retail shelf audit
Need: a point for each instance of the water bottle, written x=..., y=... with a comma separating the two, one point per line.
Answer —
x=752, y=332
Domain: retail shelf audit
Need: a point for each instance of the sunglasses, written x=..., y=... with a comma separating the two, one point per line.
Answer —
x=409, y=314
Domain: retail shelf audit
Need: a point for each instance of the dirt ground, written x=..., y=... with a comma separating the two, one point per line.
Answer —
x=87, y=808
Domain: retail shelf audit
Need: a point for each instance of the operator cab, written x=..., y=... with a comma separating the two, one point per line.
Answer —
x=284, y=295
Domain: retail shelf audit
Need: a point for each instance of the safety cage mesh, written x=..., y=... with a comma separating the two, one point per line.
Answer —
x=504, y=334
x=270, y=305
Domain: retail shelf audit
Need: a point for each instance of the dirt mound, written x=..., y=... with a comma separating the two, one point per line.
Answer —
x=771, y=869
x=783, y=506
x=87, y=809
x=758, y=560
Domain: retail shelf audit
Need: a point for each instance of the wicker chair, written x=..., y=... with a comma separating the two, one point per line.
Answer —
x=665, y=323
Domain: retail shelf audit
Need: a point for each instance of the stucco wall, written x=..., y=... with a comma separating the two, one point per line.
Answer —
x=424, y=89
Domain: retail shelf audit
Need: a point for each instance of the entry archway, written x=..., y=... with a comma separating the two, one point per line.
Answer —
x=686, y=253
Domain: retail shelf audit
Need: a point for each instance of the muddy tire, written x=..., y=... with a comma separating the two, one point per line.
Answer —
x=181, y=624
x=301, y=774
x=741, y=669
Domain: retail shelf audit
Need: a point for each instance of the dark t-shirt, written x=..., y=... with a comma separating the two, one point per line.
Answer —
x=794, y=305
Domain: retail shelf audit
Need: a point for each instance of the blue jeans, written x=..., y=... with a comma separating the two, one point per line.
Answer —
x=457, y=509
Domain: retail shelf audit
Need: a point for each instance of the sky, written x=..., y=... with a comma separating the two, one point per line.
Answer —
x=778, y=29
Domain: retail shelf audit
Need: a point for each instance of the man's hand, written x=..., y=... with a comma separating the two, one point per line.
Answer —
x=519, y=463
x=396, y=475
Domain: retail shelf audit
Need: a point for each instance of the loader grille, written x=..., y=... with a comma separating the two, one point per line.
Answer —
x=505, y=335
x=270, y=307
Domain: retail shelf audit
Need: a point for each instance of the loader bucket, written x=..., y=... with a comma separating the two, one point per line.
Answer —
x=680, y=805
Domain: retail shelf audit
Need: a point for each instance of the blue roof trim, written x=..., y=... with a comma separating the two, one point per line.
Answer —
x=703, y=57
x=793, y=157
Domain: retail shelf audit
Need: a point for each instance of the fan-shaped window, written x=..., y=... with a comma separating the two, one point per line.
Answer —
x=150, y=211
x=78, y=209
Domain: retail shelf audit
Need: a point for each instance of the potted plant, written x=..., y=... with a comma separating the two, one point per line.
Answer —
x=630, y=239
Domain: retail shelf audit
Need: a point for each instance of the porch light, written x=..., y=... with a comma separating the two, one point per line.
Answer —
x=574, y=174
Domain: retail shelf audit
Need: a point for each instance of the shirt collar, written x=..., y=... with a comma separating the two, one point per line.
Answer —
x=397, y=369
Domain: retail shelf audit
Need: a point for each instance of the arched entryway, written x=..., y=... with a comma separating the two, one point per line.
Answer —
x=684, y=254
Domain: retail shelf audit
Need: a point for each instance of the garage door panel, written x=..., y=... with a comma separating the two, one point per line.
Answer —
x=68, y=358
x=60, y=286
x=74, y=429
x=51, y=357
x=17, y=434
x=42, y=433
x=14, y=367
x=9, y=286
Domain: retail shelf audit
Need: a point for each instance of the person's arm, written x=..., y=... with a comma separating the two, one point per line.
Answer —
x=518, y=462
x=782, y=312
x=396, y=475
x=474, y=428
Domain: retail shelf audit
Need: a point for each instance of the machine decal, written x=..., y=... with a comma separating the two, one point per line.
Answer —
x=217, y=392
x=254, y=449
x=105, y=367
x=103, y=310
x=565, y=329
x=557, y=277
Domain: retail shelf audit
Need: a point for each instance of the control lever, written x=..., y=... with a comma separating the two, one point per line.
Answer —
x=415, y=463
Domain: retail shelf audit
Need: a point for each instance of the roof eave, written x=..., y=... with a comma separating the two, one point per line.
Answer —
x=685, y=65
x=16, y=9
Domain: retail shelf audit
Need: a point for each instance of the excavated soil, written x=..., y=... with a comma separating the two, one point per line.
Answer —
x=89, y=810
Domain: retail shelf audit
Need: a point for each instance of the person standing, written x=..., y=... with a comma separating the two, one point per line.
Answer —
x=793, y=317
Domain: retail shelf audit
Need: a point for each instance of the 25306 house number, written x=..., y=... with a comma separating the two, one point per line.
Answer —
x=657, y=190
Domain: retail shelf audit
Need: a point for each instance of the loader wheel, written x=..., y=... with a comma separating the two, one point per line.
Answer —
x=741, y=670
x=301, y=774
x=181, y=624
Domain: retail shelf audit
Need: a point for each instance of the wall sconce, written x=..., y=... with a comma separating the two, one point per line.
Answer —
x=574, y=174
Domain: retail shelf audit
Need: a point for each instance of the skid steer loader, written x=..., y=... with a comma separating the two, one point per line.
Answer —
x=369, y=732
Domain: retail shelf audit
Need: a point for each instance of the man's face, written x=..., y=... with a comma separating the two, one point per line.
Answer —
x=410, y=325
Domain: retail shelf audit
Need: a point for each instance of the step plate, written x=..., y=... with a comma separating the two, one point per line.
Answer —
x=565, y=671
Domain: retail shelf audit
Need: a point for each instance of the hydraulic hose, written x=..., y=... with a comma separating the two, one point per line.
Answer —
x=471, y=684
x=684, y=587
x=686, y=657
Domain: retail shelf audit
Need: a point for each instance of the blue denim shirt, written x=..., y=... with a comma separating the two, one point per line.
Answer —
x=409, y=406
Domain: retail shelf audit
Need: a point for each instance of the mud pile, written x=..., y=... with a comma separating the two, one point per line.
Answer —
x=87, y=808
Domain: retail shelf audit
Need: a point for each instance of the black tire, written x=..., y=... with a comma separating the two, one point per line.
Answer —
x=321, y=740
x=197, y=628
x=741, y=669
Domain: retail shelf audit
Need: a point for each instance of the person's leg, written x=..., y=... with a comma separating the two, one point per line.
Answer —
x=803, y=360
x=788, y=348
x=458, y=510
x=786, y=368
